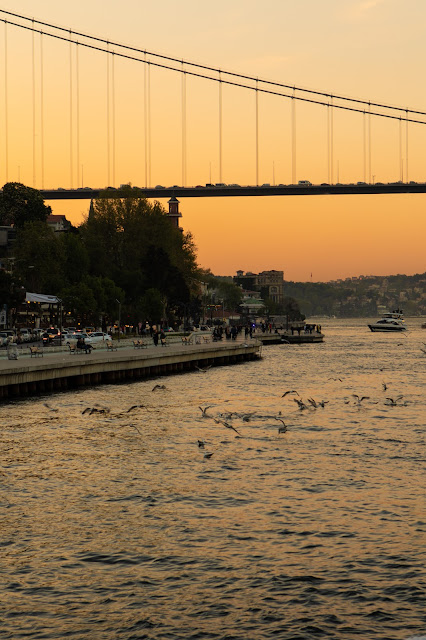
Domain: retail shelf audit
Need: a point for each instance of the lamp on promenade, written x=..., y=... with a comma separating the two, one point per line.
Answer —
x=119, y=318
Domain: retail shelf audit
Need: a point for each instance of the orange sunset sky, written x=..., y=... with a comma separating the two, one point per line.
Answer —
x=60, y=104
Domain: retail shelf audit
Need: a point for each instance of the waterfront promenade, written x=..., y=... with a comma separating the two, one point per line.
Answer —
x=58, y=369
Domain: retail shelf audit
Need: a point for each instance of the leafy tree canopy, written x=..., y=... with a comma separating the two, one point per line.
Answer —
x=20, y=204
x=39, y=258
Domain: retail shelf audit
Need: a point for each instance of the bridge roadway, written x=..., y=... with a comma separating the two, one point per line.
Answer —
x=236, y=191
x=59, y=370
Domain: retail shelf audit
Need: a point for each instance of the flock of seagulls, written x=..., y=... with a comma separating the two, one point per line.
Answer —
x=311, y=404
x=225, y=419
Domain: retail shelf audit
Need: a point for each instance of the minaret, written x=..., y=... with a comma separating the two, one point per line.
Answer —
x=91, y=210
x=174, y=214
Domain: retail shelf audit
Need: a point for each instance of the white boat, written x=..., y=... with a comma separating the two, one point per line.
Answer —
x=391, y=321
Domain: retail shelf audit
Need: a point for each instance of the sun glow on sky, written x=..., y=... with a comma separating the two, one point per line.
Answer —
x=70, y=118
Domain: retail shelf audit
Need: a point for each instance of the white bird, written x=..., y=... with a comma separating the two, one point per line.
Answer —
x=203, y=370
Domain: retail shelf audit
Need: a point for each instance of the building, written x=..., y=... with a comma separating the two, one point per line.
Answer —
x=7, y=236
x=174, y=213
x=270, y=284
x=58, y=223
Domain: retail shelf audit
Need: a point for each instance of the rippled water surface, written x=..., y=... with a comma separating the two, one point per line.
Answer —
x=115, y=525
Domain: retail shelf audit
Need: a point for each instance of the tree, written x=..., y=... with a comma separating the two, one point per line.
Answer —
x=20, y=204
x=133, y=242
x=223, y=290
x=76, y=259
x=93, y=299
x=152, y=306
x=39, y=258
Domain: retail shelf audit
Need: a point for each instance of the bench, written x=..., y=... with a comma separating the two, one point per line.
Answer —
x=139, y=344
x=36, y=351
x=111, y=346
x=74, y=349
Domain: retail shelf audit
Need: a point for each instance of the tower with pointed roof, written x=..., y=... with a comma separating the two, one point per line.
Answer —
x=174, y=213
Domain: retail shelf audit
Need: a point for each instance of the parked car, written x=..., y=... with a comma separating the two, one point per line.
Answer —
x=52, y=334
x=25, y=335
x=73, y=337
x=10, y=335
x=98, y=336
x=3, y=338
x=89, y=329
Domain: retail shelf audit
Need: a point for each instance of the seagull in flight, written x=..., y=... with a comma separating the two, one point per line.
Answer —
x=358, y=399
x=282, y=429
x=247, y=416
x=301, y=404
x=50, y=408
x=203, y=370
x=204, y=411
x=393, y=402
x=227, y=425
x=287, y=392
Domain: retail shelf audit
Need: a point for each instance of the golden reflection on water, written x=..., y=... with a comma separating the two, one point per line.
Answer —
x=116, y=524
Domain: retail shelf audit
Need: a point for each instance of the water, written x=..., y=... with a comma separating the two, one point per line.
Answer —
x=115, y=526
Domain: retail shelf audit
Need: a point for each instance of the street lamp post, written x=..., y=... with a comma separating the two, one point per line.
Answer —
x=119, y=318
x=61, y=330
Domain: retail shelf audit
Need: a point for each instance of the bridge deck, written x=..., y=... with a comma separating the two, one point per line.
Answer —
x=236, y=191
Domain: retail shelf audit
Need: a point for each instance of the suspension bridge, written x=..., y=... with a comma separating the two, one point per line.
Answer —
x=79, y=109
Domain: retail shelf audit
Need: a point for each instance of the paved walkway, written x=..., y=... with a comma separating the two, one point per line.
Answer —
x=57, y=354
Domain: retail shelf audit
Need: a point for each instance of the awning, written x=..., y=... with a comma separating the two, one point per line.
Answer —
x=39, y=297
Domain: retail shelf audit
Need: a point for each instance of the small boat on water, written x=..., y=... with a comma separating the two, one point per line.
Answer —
x=391, y=321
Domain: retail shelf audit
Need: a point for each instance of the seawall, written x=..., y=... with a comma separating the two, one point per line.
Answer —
x=62, y=370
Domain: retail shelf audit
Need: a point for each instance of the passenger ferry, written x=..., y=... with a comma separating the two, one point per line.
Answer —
x=391, y=321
